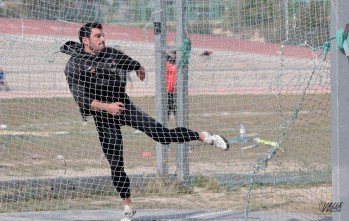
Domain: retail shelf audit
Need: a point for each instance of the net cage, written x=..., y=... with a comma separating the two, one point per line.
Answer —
x=248, y=71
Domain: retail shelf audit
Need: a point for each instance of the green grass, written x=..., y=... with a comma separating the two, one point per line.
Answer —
x=35, y=153
x=307, y=140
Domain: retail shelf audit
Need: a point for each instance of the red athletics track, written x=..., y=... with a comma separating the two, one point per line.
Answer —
x=121, y=33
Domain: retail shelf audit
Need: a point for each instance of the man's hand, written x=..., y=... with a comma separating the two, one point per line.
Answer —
x=115, y=108
x=112, y=108
x=141, y=73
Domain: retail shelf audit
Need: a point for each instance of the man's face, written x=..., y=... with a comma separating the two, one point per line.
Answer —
x=95, y=43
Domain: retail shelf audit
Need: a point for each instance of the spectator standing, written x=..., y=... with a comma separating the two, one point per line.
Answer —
x=3, y=82
x=171, y=77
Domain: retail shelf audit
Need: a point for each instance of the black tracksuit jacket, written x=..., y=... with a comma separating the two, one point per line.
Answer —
x=101, y=77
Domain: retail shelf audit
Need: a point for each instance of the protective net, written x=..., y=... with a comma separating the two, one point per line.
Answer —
x=253, y=76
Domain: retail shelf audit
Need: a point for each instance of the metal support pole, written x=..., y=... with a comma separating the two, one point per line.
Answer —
x=286, y=20
x=160, y=81
x=340, y=114
x=182, y=149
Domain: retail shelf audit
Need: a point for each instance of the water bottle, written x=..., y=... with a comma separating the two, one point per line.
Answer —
x=242, y=132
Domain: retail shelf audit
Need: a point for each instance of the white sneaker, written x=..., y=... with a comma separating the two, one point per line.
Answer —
x=129, y=212
x=217, y=140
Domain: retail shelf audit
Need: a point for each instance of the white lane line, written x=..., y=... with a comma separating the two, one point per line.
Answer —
x=212, y=214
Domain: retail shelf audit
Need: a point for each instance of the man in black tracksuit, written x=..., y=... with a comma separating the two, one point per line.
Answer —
x=94, y=79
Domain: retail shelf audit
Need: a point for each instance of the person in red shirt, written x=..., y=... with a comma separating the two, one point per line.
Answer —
x=171, y=71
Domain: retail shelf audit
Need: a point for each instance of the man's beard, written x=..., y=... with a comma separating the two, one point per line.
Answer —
x=97, y=48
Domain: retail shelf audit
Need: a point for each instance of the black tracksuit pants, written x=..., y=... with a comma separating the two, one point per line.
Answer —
x=110, y=137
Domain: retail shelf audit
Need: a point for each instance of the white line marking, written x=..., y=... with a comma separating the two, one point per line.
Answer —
x=211, y=214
